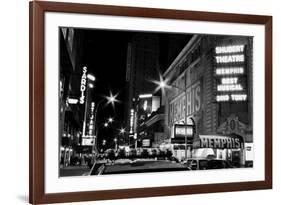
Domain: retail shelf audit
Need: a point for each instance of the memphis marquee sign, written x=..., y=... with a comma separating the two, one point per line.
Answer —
x=218, y=142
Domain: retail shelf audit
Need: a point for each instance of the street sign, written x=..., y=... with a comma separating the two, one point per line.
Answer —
x=87, y=141
x=181, y=131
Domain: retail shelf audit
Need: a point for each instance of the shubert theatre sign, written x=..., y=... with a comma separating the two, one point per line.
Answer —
x=230, y=71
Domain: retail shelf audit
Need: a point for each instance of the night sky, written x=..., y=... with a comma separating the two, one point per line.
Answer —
x=105, y=56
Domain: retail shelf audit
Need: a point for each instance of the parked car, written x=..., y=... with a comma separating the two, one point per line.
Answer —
x=205, y=163
x=249, y=163
x=138, y=166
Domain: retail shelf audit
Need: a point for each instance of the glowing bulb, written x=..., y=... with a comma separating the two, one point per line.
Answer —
x=91, y=77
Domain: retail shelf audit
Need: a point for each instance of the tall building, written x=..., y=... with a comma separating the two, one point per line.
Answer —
x=72, y=74
x=142, y=67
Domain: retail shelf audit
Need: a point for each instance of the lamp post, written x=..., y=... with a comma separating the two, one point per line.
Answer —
x=115, y=140
x=109, y=123
x=96, y=130
x=163, y=84
x=136, y=141
x=110, y=99
x=122, y=132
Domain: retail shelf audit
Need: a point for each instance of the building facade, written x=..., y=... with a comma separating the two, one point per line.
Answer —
x=150, y=121
x=72, y=86
x=211, y=87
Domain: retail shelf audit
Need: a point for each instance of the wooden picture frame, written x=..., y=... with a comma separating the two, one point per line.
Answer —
x=37, y=10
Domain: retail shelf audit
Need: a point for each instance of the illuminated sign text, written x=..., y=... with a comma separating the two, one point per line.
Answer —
x=83, y=85
x=186, y=104
x=183, y=130
x=92, y=117
x=230, y=49
x=230, y=73
x=132, y=121
x=218, y=142
x=230, y=59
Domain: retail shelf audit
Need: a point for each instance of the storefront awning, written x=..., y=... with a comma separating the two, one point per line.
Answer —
x=218, y=142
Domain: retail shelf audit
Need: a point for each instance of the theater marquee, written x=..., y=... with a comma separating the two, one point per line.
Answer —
x=218, y=142
x=230, y=73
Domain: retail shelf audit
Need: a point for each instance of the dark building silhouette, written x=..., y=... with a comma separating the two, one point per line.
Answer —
x=142, y=66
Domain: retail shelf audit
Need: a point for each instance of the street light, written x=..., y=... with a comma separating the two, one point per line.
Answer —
x=110, y=99
x=105, y=124
x=104, y=142
x=91, y=85
x=122, y=131
x=91, y=77
x=115, y=140
x=110, y=120
x=162, y=84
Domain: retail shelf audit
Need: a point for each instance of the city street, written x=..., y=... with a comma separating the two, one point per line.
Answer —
x=147, y=102
x=74, y=171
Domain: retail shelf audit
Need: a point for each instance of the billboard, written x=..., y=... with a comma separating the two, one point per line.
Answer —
x=230, y=73
x=186, y=104
x=218, y=142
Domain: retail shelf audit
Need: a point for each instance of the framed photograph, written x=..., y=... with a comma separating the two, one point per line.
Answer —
x=138, y=102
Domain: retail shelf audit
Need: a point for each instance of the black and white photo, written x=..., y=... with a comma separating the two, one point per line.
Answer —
x=136, y=102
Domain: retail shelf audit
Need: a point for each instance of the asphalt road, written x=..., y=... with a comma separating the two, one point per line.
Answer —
x=74, y=171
